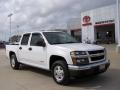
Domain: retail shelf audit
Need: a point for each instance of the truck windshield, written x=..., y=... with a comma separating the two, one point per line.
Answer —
x=59, y=38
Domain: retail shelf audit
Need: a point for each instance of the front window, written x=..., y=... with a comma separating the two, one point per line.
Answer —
x=36, y=39
x=59, y=38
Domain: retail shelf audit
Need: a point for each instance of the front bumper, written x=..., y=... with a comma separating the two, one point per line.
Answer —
x=92, y=68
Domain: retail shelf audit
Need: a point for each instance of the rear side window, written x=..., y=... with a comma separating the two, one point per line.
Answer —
x=25, y=39
x=36, y=38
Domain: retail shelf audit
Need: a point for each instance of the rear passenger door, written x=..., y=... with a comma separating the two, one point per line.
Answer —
x=23, y=48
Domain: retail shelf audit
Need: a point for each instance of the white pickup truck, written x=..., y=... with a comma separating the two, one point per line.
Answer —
x=59, y=53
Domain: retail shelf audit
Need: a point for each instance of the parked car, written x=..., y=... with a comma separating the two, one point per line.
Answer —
x=2, y=45
x=59, y=53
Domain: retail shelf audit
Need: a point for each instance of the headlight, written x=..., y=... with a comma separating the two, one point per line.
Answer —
x=79, y=57
x=77, y=53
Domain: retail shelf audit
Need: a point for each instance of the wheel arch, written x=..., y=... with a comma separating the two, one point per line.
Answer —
x=11, y=53
x=55, y=58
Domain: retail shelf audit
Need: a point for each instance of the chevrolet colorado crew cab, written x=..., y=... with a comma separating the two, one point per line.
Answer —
x=59, y=53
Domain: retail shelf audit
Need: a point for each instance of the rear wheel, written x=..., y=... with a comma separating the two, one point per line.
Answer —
x=60, y=72
x=13, y=62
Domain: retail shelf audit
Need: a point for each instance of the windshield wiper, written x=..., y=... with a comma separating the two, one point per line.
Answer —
x=71, y=42
x=56, y=43
x=64, y=42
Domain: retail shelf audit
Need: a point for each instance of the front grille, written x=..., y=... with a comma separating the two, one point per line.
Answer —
x=96, y=52
x=97, y=58
x=91, y=57
x=96, y=55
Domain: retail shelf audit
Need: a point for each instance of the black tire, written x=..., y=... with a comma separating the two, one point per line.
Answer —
x=64, y=68
x=14, y=63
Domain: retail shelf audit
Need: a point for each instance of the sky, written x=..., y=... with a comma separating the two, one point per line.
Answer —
x=32, y=15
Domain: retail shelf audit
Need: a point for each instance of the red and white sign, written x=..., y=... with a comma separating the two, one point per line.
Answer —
x=86, y=21
x=105, y=23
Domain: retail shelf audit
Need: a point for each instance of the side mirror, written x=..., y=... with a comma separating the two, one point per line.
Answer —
x=41, y=43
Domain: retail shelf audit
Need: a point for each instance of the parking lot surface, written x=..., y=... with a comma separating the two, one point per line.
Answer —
x=28, y=78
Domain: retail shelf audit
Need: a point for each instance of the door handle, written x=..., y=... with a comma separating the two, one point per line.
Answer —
x=30, y=49
x=20, y=48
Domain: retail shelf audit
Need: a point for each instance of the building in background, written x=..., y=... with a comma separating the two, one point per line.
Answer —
x=74, y=27
x=99, y=25
x=96, y=26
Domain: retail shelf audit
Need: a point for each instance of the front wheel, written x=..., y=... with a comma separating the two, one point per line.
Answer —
x=60, y=72
x=14, y=63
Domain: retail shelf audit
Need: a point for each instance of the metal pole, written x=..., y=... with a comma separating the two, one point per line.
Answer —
x=10, y=15
x=10, y=26
x=118, y=21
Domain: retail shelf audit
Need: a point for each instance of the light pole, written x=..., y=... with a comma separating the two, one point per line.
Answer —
x=10, y=15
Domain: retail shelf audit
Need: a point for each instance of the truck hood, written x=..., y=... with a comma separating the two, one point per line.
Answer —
x=80, y=47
